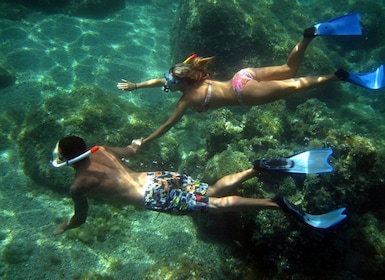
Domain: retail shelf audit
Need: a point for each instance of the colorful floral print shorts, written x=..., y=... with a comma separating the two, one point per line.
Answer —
x=175, y=193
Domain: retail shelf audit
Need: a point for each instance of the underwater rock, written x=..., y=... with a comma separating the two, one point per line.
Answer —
x=355, y=153
x=7, y=77
x=9, y=127
x=95, y=8
x=88, y=8
x=194, y=163
x=12, y=10
x=266, y=121
x=86, y=237
x=3, y=235
x=211, y=29
x=224, y=163
x=224, y=128
x=169, y=152
x=312, y=120
x=17, y=251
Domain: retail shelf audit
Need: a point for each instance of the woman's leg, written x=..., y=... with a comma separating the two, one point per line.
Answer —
x=285, y=71
x=257, y=93
x=238, y=203
x=230, y=183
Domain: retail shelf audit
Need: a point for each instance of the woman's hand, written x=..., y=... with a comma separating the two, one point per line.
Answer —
x=126, y=85
x=137, y=142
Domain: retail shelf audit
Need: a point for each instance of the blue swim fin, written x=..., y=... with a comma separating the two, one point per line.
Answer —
x=309, y=162
x=344, y=25
x=371, y=80
x=323, y=221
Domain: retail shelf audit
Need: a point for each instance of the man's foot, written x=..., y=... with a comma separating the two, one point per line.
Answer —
x=310, y=32
x=289, y=207
x=257, y=165
x=342, y=74
x=275, y=164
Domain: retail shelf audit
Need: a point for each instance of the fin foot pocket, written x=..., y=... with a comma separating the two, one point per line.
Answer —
x=310, y=162
x=310, y=32
x=289, y=207
x=342, y=74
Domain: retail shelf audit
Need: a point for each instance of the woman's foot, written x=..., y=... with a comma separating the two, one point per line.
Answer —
x=310, y=32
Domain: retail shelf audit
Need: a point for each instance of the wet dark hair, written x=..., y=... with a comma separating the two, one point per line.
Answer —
x=71, y=147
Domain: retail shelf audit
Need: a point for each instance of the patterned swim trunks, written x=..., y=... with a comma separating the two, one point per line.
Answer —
x=175, y=193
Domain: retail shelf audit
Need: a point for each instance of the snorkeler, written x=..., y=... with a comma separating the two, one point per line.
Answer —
x=100, y=173
x=252, y=86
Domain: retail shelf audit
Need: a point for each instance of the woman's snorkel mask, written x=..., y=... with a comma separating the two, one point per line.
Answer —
x=58, y=160
x=171, y=79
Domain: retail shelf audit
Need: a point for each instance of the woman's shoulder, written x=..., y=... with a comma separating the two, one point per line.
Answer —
x=193, y=94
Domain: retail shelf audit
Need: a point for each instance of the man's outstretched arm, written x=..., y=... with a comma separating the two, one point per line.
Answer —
x=80, y=216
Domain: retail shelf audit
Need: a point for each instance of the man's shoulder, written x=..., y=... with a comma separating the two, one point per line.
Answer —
x=82, y=183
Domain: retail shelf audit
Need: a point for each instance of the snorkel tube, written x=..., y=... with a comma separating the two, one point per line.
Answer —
x=76, y=159
x=190, y=58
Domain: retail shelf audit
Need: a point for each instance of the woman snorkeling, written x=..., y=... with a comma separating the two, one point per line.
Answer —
x=248, y=87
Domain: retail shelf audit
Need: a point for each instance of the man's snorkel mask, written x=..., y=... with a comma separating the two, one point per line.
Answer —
x=58, y=160
x=171, y=79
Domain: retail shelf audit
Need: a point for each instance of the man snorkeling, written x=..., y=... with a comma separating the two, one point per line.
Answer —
x=100, y=173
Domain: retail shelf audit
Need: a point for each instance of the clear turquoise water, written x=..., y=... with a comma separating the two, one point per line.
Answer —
x=53, y=55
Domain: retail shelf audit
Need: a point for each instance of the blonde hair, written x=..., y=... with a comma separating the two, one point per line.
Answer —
x=193, y=71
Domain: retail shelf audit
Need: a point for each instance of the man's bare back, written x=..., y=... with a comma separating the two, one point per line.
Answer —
x=104, y=176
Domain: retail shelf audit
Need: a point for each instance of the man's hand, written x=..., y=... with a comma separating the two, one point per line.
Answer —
x=126, y=85
x=135, y=145
x=60, y=229
x=137, y=142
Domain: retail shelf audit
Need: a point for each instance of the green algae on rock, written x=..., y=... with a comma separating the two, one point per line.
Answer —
x=7, y=77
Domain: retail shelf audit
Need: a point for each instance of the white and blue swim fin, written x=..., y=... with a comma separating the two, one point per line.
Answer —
x=309, y=162
x=370, y=80
x=322, y=221
x=326, y=220
x=344, y=25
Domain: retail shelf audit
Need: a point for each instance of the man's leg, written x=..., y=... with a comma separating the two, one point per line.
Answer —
x=238, y=203
x=228, y=184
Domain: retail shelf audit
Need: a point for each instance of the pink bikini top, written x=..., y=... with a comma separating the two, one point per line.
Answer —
x=206, y=103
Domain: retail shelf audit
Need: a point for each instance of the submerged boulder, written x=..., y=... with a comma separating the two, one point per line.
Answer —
x=7, y=77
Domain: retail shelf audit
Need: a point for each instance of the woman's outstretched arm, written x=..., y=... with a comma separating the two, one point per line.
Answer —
x=178, y=113
x=126, y=85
